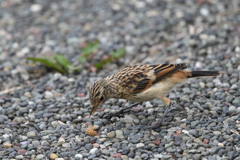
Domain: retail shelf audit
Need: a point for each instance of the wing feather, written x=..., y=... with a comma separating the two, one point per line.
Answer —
x=136, y=79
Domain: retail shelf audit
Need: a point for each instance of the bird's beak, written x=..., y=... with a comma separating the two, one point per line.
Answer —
x=94, y=108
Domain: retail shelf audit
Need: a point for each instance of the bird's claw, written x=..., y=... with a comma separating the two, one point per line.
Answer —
x=118, y=114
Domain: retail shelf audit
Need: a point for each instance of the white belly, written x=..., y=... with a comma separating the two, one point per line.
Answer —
x=156, y=91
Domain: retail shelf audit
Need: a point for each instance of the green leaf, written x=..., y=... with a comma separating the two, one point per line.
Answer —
x=118, y=53
x=102, y=63
x=48, y=62
x=113, y=56
x=88, y=50
x=82, y=59
x=63, y=61
x=75, y=69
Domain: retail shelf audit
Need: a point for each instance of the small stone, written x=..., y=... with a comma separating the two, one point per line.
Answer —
x=22, y=151
x=53, y=156
x=157, y=142
x=217, y=133
x=23, y=138
x=186, y=90
x=184, y=98
x=19, y=157
x=36, y=7
x=92, y=151
x=168, y=145
x=66, y=145
x=192, y=151
x=31, y=134
x=144, y=156
x=7, y=145
x=102, y=139
x=131, y=155
x=54, y=124
x=232, y=109
x=117, y=155
x=106, y=152
x=234, y=87
x=27, y=94
x=48, y=95
x=124, y=157
x=204, y=11
x=236, y=101
x=226, y=85
x=80, y=156
x=31, y=117
x=183, y=125
x=158, y=156
x=220, y=144
x=202, y=85
x=127, y=119
x=61, y=140
x=199, y=64
x=194, y=124
x=111, y=134
x=140, y=145
x=197, y=140
x=119, y=134
x=40, y=156
x=148, y=104
x=89, y=146
x=96, y=145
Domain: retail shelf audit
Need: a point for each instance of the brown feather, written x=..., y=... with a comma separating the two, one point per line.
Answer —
x=167, y=70
x=136, y=79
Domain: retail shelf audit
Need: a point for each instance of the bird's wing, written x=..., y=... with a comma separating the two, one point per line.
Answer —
x=164, y=70
x=136, y=79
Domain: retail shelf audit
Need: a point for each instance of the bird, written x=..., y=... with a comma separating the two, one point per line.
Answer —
x=142, y=83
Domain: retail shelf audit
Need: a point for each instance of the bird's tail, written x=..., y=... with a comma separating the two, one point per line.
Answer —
x=203, y=74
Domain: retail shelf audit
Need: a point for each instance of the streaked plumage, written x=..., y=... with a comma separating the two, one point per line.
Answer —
x=141, y=83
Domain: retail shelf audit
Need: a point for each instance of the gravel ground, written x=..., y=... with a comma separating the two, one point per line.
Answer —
x=44, y=115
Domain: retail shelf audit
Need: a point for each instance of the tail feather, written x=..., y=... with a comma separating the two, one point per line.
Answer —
x=204, y=73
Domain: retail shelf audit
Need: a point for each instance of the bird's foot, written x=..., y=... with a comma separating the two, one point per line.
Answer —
x=120, y=112
x=159, y=123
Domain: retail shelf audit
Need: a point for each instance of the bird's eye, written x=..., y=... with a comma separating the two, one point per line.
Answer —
x=101, y=98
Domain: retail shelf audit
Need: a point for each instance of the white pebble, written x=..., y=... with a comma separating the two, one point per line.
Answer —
x=48, y=95
x=199, y=65
x=79, y=156
x=71, y=80
x=19, y=157
x=66, y=145
x=158, y=156
x=204, y=11
x=148, y=104
x=140, y=145
x=92, y=151
x=119, y=134
x=202, y=85
x=23, y=52
x=61, y=140
x=36, y=8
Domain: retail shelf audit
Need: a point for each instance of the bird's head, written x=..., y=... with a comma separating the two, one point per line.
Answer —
x=98, y=94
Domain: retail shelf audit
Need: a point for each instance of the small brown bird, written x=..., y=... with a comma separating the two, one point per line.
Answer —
x=142, y=83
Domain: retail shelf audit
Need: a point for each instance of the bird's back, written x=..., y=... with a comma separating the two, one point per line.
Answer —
x=135, y=79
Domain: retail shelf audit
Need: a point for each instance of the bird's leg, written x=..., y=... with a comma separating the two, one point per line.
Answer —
x=120, y=112
x=168, y=105
x=161, y=120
